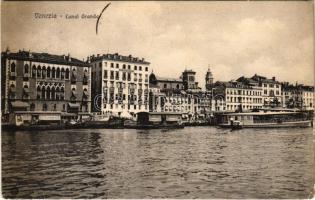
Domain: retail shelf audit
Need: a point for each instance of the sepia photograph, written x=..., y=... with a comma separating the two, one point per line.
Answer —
x=157, y=100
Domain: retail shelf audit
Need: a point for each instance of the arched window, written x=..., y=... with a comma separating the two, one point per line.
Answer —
x=12, y=68
x=55, y=107
x=38, y=92
x=25, y=86
x=34, y=71
x=26, y=68
x=48, y=72
x=67, y=73
x=43, y=92
x=53, y=73
x=44, y=72
x=53, y=93
x=58, y=73
x=44, y=107
x=177, y=86
x=39, y=71
x=62, y=73
x=48, y=93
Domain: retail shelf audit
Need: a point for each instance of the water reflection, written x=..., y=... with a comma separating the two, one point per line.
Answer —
x=197, y=162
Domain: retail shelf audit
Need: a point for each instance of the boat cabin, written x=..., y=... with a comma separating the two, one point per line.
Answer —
x=20, y=118
x=253, y=118
x=155, y=118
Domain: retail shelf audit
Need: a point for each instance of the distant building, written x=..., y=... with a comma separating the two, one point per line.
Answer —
x=189, y=80
x=171, y=95
x=271, y=90
x=297, y=96
x=209, y=80
x=45, y=82
x=236, y=96
x=120, y=84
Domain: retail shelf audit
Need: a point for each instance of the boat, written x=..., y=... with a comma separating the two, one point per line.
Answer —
x=236, y=125
x=155, y=120
x=266, y=119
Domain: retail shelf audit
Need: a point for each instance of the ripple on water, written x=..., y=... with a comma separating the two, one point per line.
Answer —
x=195, y=162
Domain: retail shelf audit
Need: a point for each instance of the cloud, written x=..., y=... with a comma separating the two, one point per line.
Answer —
x=234, y=38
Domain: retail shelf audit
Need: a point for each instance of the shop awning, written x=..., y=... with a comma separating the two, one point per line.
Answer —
x=19, y=104
x=74, y=105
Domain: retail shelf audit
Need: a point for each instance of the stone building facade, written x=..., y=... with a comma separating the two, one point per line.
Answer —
x=45, y=82
x=120, y=84
x=236, y=96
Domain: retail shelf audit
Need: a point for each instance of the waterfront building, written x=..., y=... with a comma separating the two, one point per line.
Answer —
x=172, y=96
x=34, y=82
x=236, y=96
x=120, y=84
x=297, y=96
x=271, y=91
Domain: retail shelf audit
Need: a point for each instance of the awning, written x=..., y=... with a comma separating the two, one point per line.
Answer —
x=74, y=105
x=19, y=104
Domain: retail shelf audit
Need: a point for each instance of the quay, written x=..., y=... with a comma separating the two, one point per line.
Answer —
x=153, y=120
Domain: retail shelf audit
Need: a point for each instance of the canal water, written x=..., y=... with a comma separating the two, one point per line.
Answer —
x=194, y=162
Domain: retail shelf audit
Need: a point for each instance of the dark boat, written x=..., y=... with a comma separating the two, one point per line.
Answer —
x=267, y=119
x=155, y=120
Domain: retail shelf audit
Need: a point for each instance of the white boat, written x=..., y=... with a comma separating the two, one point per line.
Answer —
x=265, y=119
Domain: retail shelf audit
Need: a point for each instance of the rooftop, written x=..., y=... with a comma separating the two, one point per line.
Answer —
x=163, y=79
x=44, y=57
x=117, y=57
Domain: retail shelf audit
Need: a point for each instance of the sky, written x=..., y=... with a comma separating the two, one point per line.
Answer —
x=234, y=38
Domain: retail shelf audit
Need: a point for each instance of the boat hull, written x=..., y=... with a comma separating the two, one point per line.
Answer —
x=307, y=123
x=154, y=126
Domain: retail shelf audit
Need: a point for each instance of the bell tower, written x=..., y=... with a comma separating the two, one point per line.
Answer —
x=209, y=79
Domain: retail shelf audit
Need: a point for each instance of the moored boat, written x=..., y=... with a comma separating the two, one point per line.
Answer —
x=155, y=120
x=270, y=119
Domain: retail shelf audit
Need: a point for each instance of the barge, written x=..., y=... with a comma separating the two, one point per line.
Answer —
x=266, y=119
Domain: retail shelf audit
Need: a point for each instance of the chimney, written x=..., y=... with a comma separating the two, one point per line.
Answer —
x=30, y=53
x=7, y=50
x=274, y=78
x=69, y=58
x=98, y=55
